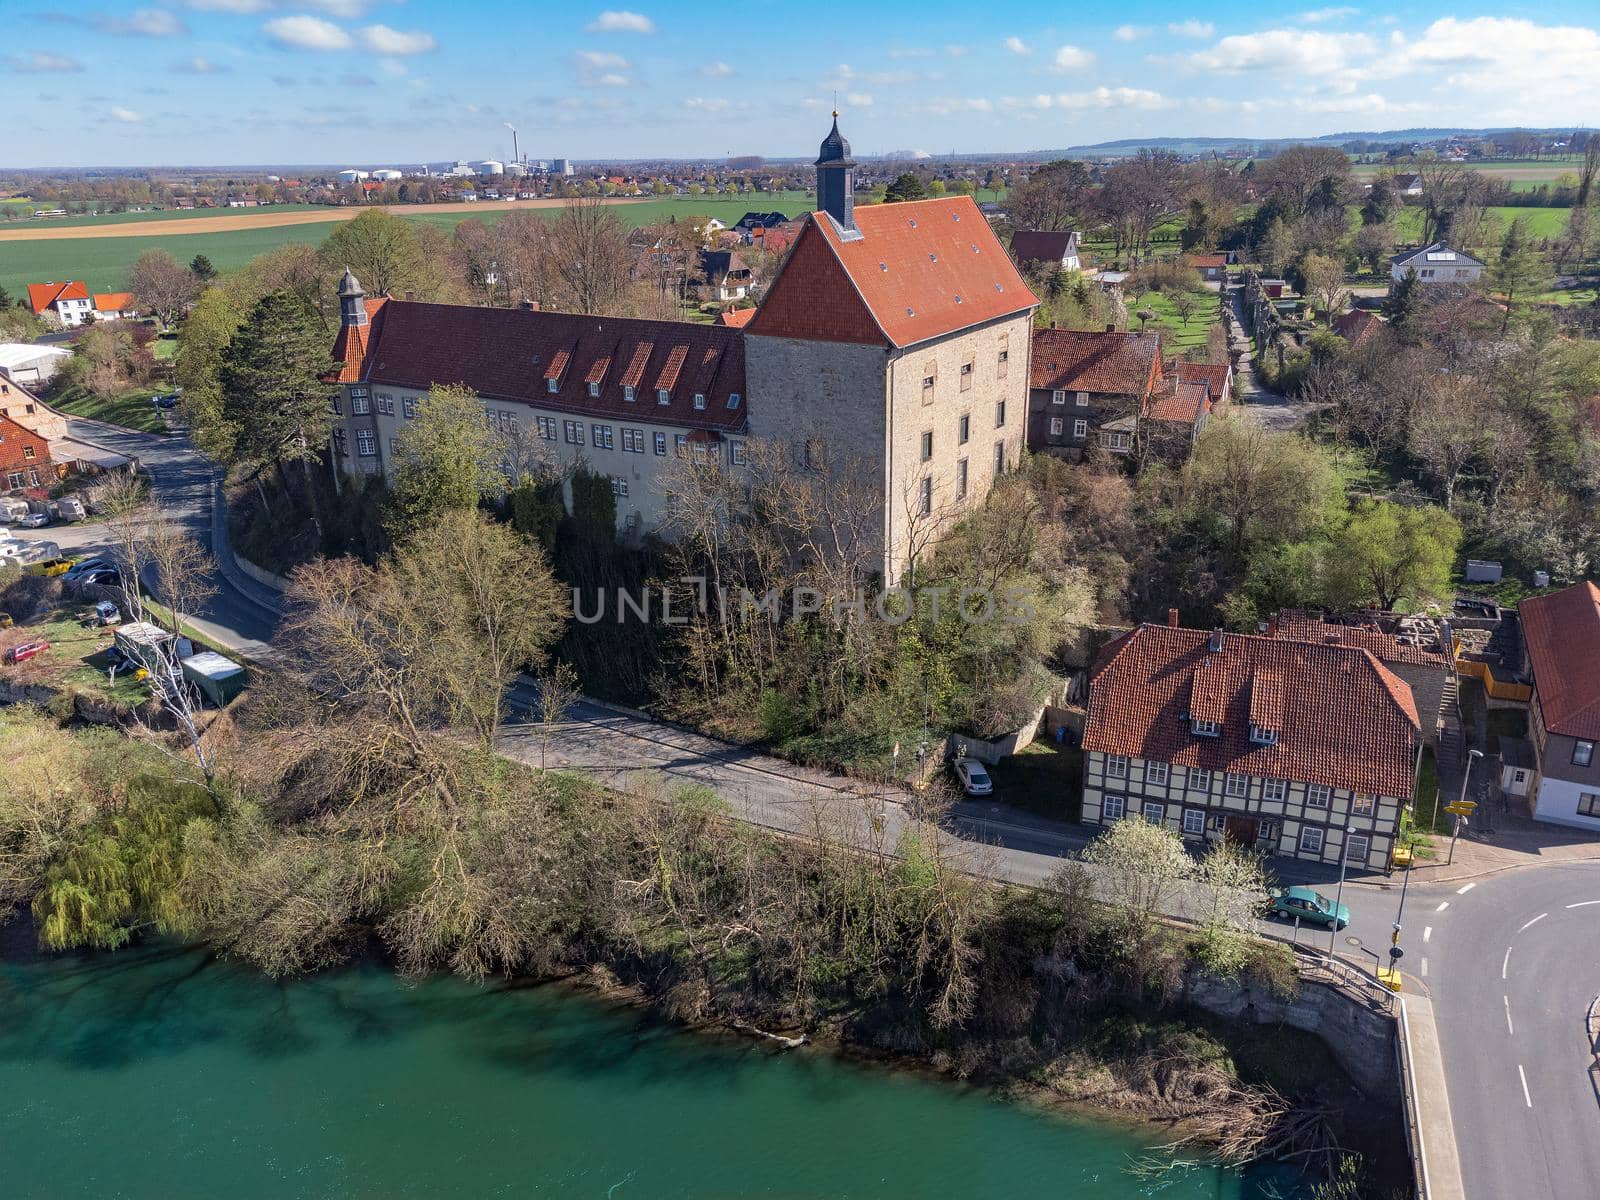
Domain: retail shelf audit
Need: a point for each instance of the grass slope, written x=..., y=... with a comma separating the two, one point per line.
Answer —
x=131, y=409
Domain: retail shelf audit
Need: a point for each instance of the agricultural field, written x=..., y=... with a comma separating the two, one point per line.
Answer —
x=1542, y=222
x=1521, y=174
x=103, y=260
x=164, y=214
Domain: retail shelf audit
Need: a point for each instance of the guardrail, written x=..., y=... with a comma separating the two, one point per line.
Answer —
x=1408, y=1094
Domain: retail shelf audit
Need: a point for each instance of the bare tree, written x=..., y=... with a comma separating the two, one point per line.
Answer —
x=591, y=258
x=558, y=691
x=161, y=286
x=1447, y=429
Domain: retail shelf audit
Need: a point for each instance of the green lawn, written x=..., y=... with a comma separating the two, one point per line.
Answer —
x=77, y=657
x=1542, y=222
x=1175, y=335
x=131, y=409
x=1428, y=804
x=1044, y=779
x=166, y=214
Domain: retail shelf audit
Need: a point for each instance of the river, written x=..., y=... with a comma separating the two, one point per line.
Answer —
x=162, y=1073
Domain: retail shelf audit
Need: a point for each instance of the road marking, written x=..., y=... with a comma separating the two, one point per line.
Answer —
x=1583, y=904
x=1509, y=1030
x=1524, y=1076
x=1462, y=891
x=1424, y=968
x=1443, y=904
x=1535, y=921
x=1505, y=962
x=1427, y=934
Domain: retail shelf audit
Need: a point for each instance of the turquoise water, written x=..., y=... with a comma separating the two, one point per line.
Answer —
x=162, y=1073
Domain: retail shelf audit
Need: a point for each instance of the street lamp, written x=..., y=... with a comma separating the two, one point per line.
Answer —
x=1472, y=755
x=1338, y=897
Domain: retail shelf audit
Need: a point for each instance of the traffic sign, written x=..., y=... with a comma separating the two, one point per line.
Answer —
x=1460, y=810
x=1469, y=805
x=1396, y=952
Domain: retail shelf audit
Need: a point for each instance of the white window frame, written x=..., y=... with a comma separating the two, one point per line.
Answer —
x=1586, y=749
x=1080, y=428
x=1319, y=795
x=594, y=388
x=1196, y=775
x=366, y=444
x=699, y=400
x=408, y=407
x=736, y=453
x=660, y=443
x=1366, y=847
x=619, y=486
x=663, y=396
x=552, y=384
x=1108, y=803
x=1274, y=789
x=572, y=433
x=1235, y=784
x=627, y=392
x=1161, y=812
x=1310, y=833
x=1116, y=766
x=602, y=437
x=1262, y=736
x=360, y=405
x=1155, y=773
x=1058, y=397
x=1056, y=426
x=1363, y=804
x=1205, y=728
x=1194, y=822
x=547, y=428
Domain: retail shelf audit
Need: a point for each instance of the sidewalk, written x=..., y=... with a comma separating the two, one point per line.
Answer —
x=1432, y=1133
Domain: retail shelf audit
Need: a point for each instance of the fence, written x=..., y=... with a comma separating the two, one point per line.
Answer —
x=1493, y=686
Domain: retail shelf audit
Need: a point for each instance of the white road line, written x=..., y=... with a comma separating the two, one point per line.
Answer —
x=1462, y=891
x=1505, y=962
x=1509, y=1029
x=1443, y=904
x=1535, y=921
x=1524, y=1076
x=1583, y=904
x=1424, y=968
x=1427, y=933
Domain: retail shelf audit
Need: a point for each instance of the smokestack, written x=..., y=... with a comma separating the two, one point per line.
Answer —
x=1172, y=618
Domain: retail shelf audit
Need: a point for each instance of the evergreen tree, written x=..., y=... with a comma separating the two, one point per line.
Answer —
x=448, y=458
x=1521, y=267
x=906, y=187
x=1402, y=298
x=200, y=266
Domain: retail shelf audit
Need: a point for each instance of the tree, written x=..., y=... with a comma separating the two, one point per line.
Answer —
x=1304, y=177
x=1140, y=866
x=200, y=267
x=1054, y=197
x=558, y=691
x=1520, y=268
x=590, y=257
x=1263, y=485
x=1387, y=552
x=1372, y=245
x=1403, y=298
x=905, y=187
x=447, y=459
x=161, y=286
x=383, y=250
x=1186, y=303
x=1278, y=246
x=1229, y=895
x=272, y=398
x=1324, y=283
x=1448, y=425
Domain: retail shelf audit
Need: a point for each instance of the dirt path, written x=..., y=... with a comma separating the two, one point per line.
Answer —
x=228, y=220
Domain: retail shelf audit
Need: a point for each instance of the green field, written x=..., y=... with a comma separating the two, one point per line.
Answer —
x=131, y=409
x=104, y=263
x=1542, y=222
x=1175, y=335
x=165, y=214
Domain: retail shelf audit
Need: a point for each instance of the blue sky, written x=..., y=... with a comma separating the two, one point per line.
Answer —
x=372, y=82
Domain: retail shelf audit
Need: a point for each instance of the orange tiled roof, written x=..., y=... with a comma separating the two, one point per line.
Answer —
x=1212, y=261
x=1346, y=720
x=1180, y=402
x=919, y=270
x=1386, y=647
x=1216, y=374
x=1113, y=363
x=113, y=301
x=350, y=347
x=736, y=318
x=1562, y=631
x=42, y=295
x=1357, y=325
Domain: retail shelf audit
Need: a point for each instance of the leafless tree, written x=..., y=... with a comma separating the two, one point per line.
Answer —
x=1447, y=429
x=590, y=256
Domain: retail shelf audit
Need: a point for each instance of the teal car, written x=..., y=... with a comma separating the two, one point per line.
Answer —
x=1310, y=905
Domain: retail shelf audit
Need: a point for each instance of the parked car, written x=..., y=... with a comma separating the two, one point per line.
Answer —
x=107, y=613
x=101, y=577
x=168, y=401
x=67, y=508
x=32, y=520
x=83, y=566
x=12, y=507
x=50, y=567
x=974, y=779
x=1310, y=905
x=23, y=651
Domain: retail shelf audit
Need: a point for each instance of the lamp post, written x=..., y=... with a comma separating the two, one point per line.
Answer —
x=1472, y=755
x=1338, y=897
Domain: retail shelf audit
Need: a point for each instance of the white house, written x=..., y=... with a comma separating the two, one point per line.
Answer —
x=1434, y=264
x=69, y=303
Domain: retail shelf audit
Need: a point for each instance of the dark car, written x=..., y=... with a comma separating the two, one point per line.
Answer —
x=168, y=401
x=101, y=577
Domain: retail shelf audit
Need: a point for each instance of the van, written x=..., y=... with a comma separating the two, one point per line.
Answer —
x=68, y=508
x=11, y=508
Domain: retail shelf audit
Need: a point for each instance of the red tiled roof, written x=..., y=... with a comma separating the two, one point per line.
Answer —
x=1357, y=325
x=1562, y=631
x=919, y=270
x=42, y=295
x=735, y=318
x=1181, y=402
x=510, y=354
x=1346, y=720
x=113, y=301
x=1215, y=374
x=1041, y=245
x=1074, y=360
x=1386, y=647
x=1207, y=260
x=350, y=346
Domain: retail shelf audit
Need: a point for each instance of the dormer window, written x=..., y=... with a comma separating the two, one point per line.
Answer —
x=733, y=399
x=594, y=389
x=627, y=392
x=1263, y=737
x=1206, y=728
x=663, y=396
x=699, y=400
x=554, y=384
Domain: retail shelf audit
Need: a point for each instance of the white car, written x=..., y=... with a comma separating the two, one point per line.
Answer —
x=33, y=520
x=974, y=779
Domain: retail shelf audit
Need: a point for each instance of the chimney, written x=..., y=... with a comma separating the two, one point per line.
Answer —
x=1052, y=324
x=1215, y=645
x=1272, y=625
x=1111, y=327
x=410, y=295
x=1172, y=618
x=529, y=306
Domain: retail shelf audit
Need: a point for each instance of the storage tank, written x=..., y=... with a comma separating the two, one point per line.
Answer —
x=491, y=167
x=352, y=176
x=516, y=169
x=387, y=175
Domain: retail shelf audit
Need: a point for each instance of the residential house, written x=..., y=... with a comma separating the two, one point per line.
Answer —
x=1561, y=640
x=24, y=457
x=753, y=225
x=1046, y=250
x=1436, y=264
x=1409, y=184
x=623, y=397
x=1358, y=326
x=720, y=275
x=67, y=455
x=1218, y=377
x=1298, y=748
x=1089, y=389
x=1213, y=268
x=113, y=306
x=894, y=344
x=26, y=363
x=736, y=318
x=1415, y=651
x=1176, y=413
x=68, y=303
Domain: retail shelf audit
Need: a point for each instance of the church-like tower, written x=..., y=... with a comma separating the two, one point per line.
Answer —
x=836, y=178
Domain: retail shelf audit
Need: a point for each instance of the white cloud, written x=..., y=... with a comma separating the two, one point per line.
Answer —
x=197, y=66
x=1317, y=15
x=600, y=60
x=1369, y=105
x=380, y=39
x=1299, y=51
x=716, y=70
x=126, y=115
x=610, y=80
x=307, y=33
x=228, y=6
x=701, y=104
x=845, y=74
x=1099, y=98
x=956, y=51
x=40, y=63
x=858, y=99
x=1017, y=46
x=144, y=22
x=621, y=22
x=390, y=66
x=338, y=8
x=1529, y=66
x=1130, y=33
x=911, y=52
x=1194, y=29
x=1071, y=58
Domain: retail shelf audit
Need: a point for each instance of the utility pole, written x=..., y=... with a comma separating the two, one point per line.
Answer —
x=1338, y=898
x=1472, y=755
